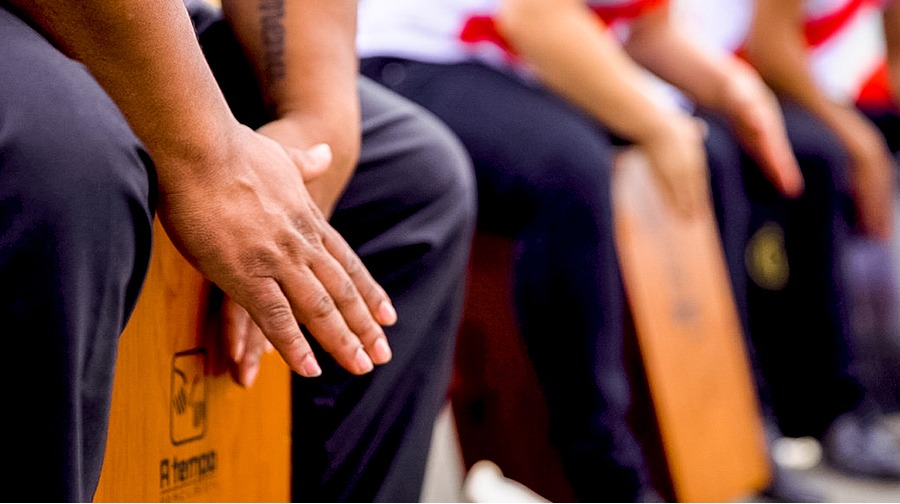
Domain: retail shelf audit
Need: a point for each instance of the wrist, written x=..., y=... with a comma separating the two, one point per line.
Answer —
x=195, y=154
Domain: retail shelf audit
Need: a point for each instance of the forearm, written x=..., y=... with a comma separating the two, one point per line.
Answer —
x=304, y=55
x=144, y=53
x=572, y=56
x=705, y=75
x=777, y=49
x=892, y=41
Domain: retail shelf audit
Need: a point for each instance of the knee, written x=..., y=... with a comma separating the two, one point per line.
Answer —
x=84, y=175
x=444, y=183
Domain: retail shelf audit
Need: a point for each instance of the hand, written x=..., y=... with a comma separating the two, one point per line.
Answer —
x=244, y=219
x=326, y=188
x=245, y=343
x=678, y=159
x=871, y=175
x=756, y=118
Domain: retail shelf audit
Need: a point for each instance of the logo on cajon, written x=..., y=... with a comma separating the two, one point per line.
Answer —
x=187, y=417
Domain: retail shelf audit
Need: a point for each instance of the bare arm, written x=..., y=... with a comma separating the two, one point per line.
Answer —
x=776, y=47
x=892, y=41
x=571, y=55
x=232, y=200
x=304, y=54
x=720, y=82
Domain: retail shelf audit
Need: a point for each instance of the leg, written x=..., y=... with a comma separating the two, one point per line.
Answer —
x=409, y=214
x=798, y=308
x=75, y=225
x=543, y=173
x=731, y=204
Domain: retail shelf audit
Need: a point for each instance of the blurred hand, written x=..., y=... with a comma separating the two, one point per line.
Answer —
x=677, y=157
x=871, y=174
x=246, y=221
x=756, y=118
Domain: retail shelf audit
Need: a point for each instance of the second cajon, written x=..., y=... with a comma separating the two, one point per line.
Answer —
x=690, y=340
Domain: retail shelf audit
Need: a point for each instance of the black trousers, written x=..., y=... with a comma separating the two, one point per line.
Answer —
x=543, y=171
x=799, y=319
x=409, y=212
x=544, y=174
x=76, y=201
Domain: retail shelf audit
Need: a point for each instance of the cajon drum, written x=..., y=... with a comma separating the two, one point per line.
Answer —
x=706, y=441
x=180, y=428
x=690, y=340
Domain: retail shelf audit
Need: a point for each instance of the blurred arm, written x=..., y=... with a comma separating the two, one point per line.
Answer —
x=777, y=48
x=719, y=82
x=564, y=44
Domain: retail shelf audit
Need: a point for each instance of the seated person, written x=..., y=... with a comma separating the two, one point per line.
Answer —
x=800, y=323
x=108, y=107
x=539, y=91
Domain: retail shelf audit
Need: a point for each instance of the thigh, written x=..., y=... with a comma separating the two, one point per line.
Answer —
x=409, y=213
x=75, y=223
x=528, y=147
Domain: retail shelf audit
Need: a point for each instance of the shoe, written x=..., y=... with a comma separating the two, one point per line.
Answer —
x=786, y=485
x=862, y=447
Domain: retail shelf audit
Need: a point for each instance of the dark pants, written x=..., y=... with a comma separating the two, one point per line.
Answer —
x=409, y=213
x=544, y=173
x=76, y=200
x=798, y=313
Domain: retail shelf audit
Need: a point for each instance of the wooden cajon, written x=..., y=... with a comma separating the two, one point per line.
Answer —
x=690, y=340
x=694, y=367
x=180, y=428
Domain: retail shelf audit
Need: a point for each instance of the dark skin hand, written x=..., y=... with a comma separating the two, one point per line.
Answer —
x=233, y=200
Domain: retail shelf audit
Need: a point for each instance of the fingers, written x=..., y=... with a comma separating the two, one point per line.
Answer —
x=245, y=342
x=274, y=315
x=763, y=135
x=342, y=283
x=249, y=365
x=780, y=167
x=334, y=296
x=234, y=328
x=377, y=300
x=311, y=162
x=328, y=306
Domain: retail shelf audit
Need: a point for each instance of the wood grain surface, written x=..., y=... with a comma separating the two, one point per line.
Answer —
x=180, y=428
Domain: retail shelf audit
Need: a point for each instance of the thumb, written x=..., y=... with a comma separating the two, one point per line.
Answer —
x=311, y=162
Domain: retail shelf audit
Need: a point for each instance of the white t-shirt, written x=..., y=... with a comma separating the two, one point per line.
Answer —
x=453, y=31
x=449, y=31
x=846, y=40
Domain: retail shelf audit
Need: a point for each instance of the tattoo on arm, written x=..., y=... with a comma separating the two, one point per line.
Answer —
x=271, y=21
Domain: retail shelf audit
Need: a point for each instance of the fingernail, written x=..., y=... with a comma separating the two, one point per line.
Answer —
x=381, y=351
x=387, y=315
x=309, y=368
x=362, y=361
x=249, y=376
